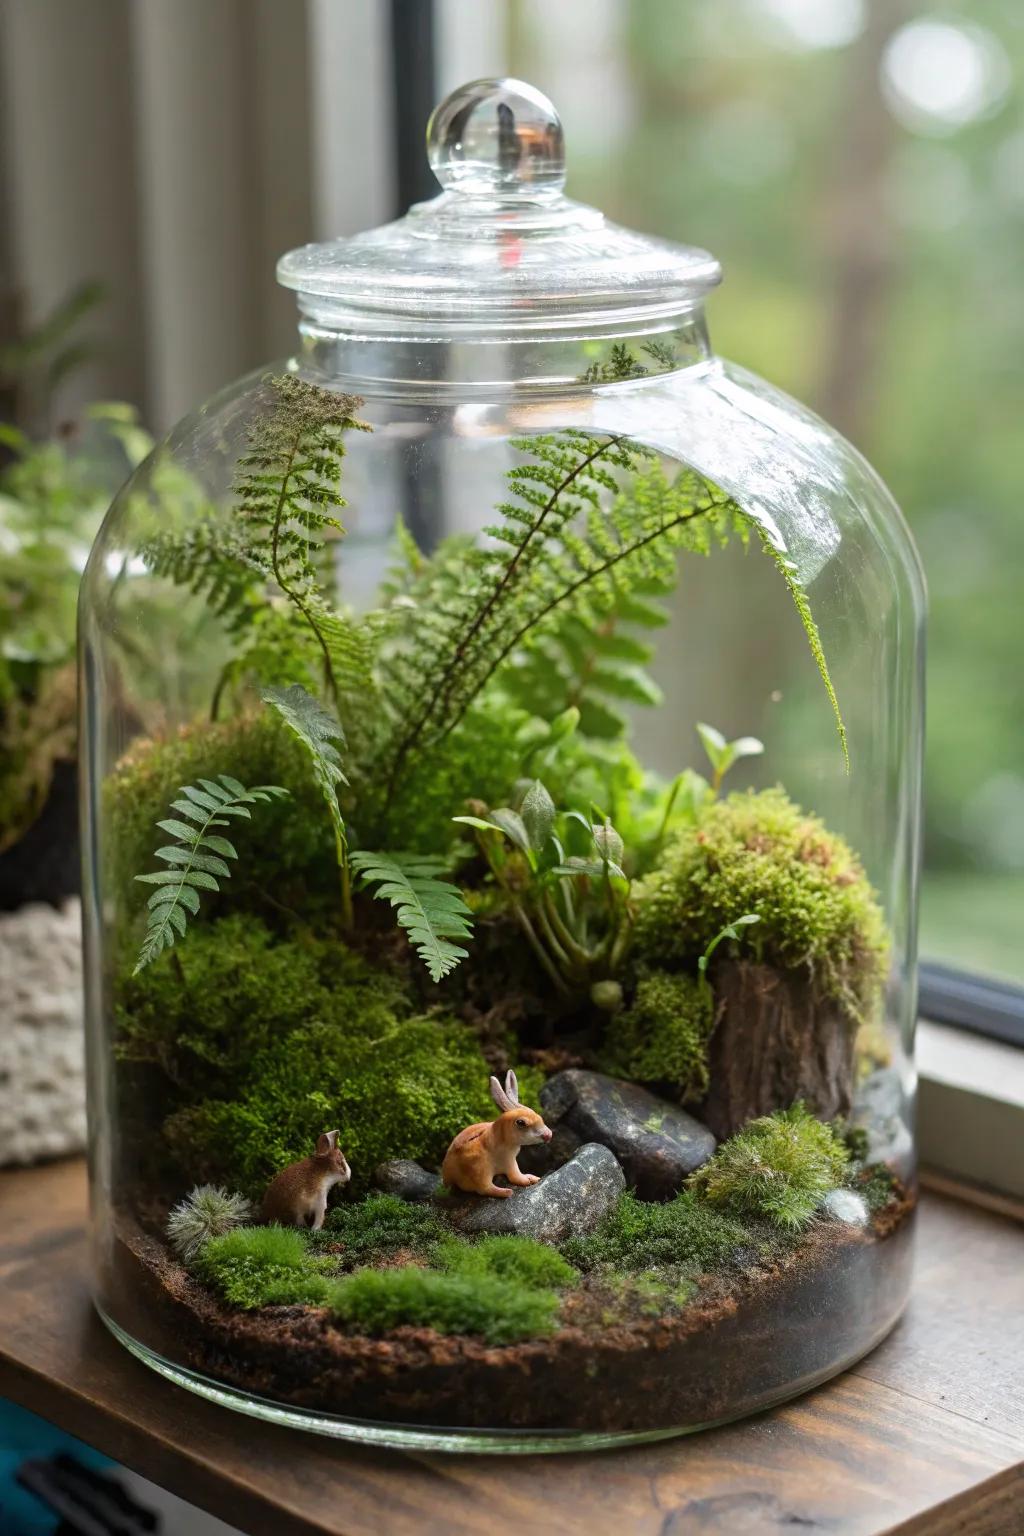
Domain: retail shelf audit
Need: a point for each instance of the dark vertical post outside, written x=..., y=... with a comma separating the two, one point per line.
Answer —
x=414, y=96
x=413, y=75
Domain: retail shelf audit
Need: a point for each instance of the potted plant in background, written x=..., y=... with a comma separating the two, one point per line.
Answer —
x=54, y=489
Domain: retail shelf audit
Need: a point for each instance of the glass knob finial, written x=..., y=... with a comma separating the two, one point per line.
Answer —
x=497, y=139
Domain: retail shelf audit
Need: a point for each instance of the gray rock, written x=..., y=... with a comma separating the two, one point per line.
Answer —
x=657, y=1143
x=544, y=1156
x=880, y=1109
x=567, y=1203
x=406, y=1179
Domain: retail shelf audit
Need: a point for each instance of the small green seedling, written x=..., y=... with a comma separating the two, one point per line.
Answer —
x=730, y=931
x=722, y=754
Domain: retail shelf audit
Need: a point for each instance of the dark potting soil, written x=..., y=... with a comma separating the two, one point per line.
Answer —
x=747, y=1340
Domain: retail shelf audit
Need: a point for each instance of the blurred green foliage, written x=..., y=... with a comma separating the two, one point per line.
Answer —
x=859, y=169
x=52, y=499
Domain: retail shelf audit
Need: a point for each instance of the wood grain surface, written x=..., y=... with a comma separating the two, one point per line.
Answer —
x=923, y=1438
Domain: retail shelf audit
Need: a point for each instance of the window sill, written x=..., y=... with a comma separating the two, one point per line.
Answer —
x=970, y=1108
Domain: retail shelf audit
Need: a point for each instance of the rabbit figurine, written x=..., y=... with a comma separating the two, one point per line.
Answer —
x=298, y=1196
x=481, y=1151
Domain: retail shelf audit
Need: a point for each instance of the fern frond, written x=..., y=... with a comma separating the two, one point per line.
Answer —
x=787, y=570
x=594, y=662
x=287, y=496
x=600, y=573
x=197, y=856
x=286, y=492
x=431, y=911
x=318, y=730
x=449, y=652
x=214, y=562
x=585, y=554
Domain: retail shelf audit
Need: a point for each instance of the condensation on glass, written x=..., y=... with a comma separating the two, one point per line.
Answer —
x=501, y=326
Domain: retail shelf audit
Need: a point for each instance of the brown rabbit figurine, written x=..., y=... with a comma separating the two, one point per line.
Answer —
x=481, y=1151
x=298, y=1196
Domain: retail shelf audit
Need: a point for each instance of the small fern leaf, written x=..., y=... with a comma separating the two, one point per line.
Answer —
x=787, y=570
x=431, y=911
x=318, y=730
x=197, y=860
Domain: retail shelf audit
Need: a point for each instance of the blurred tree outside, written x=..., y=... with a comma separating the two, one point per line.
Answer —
x=858, y=165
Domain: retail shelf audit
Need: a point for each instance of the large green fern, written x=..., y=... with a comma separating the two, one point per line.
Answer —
x=318, y=730
x=197, y=856
x=603, y=590
x=459, y=627
x=577, y=566
x=431, y=911
x=584, y=548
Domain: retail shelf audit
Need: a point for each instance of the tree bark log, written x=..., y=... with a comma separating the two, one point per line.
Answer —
x=776, y=1039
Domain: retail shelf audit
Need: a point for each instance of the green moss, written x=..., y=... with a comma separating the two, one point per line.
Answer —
x=379, y=1226
x=663, y=1036
x=286, y=855
x=263, y=1267
x=271, y=1039
x=520, y=1259
x=777, y=1169
x=877, y=1183
x=640, y=1235
x=399, y=1091
x=375, y=1301
x=761, y=853
x=244, y=990
x=652, y=1292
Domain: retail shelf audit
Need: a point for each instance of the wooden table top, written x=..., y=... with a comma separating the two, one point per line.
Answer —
x=925, y=1437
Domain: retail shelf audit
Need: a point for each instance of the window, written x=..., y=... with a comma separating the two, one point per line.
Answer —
x=860, y=170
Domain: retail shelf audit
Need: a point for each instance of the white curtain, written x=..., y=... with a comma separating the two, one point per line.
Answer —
x=172, y=149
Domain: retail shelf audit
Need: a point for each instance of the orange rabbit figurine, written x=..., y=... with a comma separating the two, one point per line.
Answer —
x=298, y=1196
x=481, y=1151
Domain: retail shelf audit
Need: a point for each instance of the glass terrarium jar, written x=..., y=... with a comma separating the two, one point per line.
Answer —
x=483, y=1051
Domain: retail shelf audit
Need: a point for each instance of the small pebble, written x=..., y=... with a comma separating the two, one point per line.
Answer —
x=846, y=1205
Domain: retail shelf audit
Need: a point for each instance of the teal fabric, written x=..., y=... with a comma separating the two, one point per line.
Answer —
x=24, y=1437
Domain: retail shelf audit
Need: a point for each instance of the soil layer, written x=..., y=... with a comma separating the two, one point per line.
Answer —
x=748, y=1339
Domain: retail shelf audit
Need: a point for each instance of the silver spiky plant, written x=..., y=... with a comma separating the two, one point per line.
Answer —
x=208, y=1211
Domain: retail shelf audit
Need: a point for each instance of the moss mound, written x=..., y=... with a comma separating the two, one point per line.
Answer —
x=663, y=1036
x=758, y=852
x=777, y=1169
x=523, y=1260
x=244, y=989
x=285, y=855
x=263, y=1267
x=273, y=1039
x=398, y=1092
x=501, y=1311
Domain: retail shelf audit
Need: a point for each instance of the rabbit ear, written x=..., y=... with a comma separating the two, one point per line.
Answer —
x=512, y=1086
x=326, y=1143
x=499, y=1096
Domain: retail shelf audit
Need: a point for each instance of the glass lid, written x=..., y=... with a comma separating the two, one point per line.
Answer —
x=501, y=250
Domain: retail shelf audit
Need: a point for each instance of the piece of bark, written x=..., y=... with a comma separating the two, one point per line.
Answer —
x=777, y=1038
